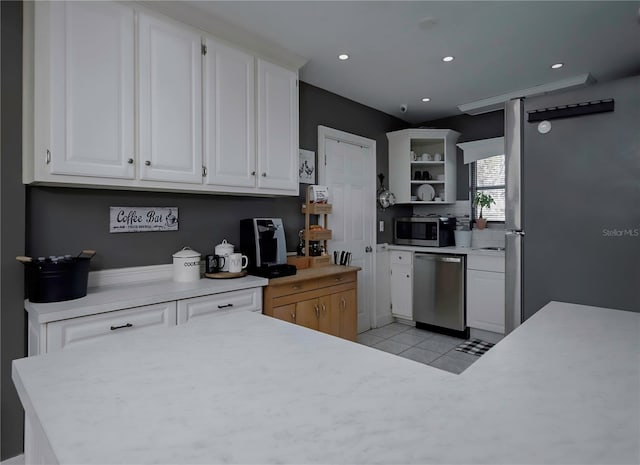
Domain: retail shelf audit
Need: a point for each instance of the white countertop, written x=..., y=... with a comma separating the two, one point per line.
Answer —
x=246, y=388
x=109, y=298
x=448, y=250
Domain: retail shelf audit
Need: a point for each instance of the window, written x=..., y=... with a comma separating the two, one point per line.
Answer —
x=488, y=176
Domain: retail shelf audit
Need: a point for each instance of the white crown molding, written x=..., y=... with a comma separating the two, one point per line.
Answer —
x=497, y=103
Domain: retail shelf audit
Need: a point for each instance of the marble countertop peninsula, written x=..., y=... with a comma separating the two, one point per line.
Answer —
x=563, y=388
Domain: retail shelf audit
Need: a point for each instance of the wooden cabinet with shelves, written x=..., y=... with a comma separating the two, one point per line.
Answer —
x=317, y=233
x=324, y=299
x=420, y=157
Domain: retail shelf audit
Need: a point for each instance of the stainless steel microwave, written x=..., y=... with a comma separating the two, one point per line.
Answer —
x=427, y=231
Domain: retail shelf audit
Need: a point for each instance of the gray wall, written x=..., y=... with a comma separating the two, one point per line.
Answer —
x=321, y=108
x=65, y=220
x=478, y=127
x=12, y=202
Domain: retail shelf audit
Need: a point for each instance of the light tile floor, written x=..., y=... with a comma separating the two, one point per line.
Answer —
x=434, y=349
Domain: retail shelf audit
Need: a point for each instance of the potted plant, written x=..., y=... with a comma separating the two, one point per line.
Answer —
x=482, y=200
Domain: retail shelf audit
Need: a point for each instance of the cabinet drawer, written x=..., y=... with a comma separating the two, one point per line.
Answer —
x=78, y=331
x=220, y=304
x=311, y=284
x=400, y=257
x=485, y=263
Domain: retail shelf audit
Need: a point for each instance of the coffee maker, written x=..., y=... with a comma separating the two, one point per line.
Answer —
x=262, y=241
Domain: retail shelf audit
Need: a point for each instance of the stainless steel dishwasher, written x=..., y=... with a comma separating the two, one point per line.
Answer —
x=439, y=292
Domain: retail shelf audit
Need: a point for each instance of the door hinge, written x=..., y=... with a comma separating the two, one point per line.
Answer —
x=204, y=49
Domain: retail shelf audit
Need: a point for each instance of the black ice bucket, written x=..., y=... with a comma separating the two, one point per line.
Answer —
x=56, y=279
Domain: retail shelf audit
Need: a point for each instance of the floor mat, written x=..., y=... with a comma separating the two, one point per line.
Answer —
x=474, y=346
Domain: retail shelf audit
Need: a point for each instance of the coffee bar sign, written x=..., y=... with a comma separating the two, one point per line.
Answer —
x=143, y=219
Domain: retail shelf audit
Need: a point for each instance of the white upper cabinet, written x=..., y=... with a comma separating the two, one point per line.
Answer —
x=229, y=116
x=277, y=127
x=422, y=165
x=170, y=101
x=87, y=103
x=119, y=95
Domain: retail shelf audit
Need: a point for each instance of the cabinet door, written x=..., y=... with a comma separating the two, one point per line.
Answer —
x=286, y=313
x=485, y=300
x=401, y=291
x=89, y=87
x=170, y=101
x=277, y=128
x=347, y=312
x=329, y=320
x=229, y=116
x=308, y=313
x=220, y=304
x=77, y=331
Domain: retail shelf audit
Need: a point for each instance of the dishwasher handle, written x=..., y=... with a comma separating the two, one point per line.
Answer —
x=436, y=258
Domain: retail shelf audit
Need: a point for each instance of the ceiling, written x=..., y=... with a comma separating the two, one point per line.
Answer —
x=396, y=47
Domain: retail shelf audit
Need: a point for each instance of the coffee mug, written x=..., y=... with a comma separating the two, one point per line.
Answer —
x=437, y=157
x=237, y=262
x=214, y=263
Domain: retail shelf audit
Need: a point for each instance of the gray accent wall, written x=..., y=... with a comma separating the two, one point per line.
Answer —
x=12, y=225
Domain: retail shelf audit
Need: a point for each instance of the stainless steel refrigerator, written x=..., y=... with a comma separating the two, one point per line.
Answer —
x=573, y=199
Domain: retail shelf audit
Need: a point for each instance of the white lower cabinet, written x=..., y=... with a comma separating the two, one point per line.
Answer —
x=72, y=332
x=86, y=329
x=401, y=284
x=485, y=293
x=219, y=304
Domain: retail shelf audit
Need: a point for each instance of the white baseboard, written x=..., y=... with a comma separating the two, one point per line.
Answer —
x=17, y=460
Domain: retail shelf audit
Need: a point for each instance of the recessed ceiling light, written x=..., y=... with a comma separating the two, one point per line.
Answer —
x=557, y=65
x=343, y=56
x=426, y=99
x=447, y=59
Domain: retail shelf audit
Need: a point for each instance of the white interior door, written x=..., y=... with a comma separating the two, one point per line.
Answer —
x=347, y=165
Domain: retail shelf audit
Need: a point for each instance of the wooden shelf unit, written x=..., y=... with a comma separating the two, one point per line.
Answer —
x=323, y=210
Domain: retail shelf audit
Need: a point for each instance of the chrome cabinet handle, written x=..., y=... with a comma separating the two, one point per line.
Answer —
x=343, y=301
x=148, y=163
x=204, y=171
x=317, y=309
x=128, y=325
x=253, y=173
x=264, y=175
x=130, y=161
x=48, y=157
x=324, y=309
x=293, y=316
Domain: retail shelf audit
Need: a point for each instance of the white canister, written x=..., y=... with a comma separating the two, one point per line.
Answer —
x=186, y=265
x=224, y=249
